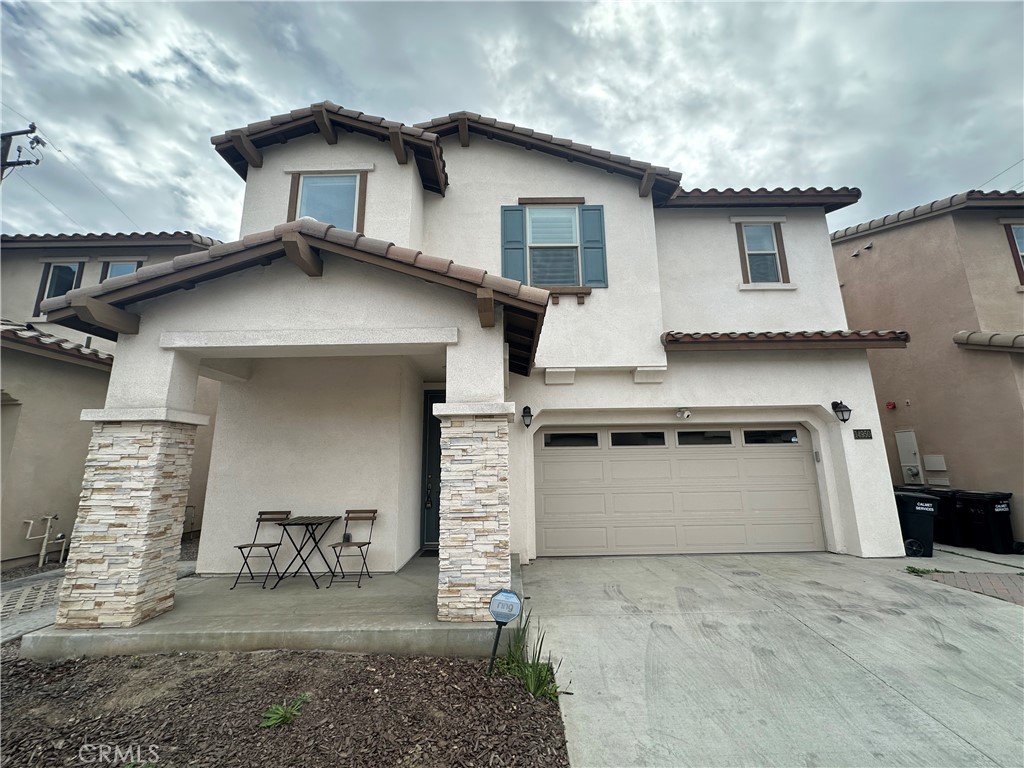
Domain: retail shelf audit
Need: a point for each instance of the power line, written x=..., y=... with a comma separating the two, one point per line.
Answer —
x=22, y=177
x=75, y=166
x=1001, y=173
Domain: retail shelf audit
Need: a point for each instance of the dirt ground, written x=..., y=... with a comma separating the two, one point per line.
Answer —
x=205, y=710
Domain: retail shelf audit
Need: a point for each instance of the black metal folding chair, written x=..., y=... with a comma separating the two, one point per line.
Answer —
x=361, y=547
x=269, y=549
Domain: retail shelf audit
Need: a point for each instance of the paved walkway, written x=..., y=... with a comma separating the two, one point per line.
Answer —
x=1005, y=586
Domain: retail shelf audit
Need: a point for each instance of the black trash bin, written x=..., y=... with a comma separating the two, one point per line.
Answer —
x=951, y=527
x=988, y=513
x=917, y=522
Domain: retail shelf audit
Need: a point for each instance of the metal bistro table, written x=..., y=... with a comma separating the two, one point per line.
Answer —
x=314, y=528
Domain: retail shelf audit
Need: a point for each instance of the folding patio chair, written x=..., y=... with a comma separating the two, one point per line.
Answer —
x=269, y=549
x=361, y=547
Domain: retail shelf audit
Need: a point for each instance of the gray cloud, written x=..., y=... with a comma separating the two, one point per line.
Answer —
x=911, y=102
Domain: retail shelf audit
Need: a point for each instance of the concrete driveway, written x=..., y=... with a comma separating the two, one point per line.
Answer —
x=780, y=660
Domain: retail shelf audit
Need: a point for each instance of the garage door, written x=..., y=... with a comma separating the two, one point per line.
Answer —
x=659, y=490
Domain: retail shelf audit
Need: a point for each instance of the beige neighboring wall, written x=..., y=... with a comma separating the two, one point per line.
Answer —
x=45, y=445
x=934, y=277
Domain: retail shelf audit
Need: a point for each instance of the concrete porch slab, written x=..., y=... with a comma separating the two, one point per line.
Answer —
x=392, y=613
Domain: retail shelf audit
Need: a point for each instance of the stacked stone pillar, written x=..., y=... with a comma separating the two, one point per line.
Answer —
x=122, y=563
x=474, y=551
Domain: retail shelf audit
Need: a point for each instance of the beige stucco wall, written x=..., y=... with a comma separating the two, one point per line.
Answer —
x=620, y=323
x=699, y=258
x=393, y=191
x=933, y=278
x=315, y=436
x=42, y=475
x=207, y=394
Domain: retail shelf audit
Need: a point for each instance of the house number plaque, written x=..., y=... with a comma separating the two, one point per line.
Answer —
x=862, y=434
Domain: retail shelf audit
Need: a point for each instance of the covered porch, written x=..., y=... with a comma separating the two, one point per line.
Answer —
x=323, y=371
x=393, y=613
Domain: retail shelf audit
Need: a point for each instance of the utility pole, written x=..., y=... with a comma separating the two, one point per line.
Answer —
x=5, y=149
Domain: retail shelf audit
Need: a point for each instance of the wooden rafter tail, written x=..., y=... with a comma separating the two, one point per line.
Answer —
x=103, y=315
x=485, y=306
x=398, y=145
x=325, y=126
x=298, y=251
x=464, y=131
x=249, y=152
x=647, y=182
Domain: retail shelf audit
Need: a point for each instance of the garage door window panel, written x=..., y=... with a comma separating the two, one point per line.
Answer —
x=638, y=439
x=571, y=440
x=770, y=437
x=704, y=437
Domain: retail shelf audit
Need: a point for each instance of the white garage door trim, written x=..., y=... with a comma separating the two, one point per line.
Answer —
x=676, y=489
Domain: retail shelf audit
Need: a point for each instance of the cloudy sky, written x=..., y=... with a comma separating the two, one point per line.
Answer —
x=908, y=101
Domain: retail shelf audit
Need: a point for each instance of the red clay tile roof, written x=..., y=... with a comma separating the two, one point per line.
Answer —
x=524, y=304
x=23, y=335
x=94, y=238
x=741, y=340
x=665, y=178
x=302, y=121
x=827, y=197
x=971, y=199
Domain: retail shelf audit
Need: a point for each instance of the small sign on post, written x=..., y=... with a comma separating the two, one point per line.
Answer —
x=505, y=607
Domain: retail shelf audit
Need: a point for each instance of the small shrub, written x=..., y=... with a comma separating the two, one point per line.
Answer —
x=526, y=662
x=283, y=714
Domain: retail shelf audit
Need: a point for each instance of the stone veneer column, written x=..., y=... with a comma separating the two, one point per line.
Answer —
x=474, y=542
x=122, y=564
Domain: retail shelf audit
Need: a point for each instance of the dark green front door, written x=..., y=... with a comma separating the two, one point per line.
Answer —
x=431, y=522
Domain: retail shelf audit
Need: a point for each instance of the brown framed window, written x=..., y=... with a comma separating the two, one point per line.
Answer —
x=762, y=252
x=333, y=198
x=1015, y=234
x=58, y=278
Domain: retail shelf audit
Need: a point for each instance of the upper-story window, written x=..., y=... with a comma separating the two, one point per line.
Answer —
x=559, y=243
x=118, y=268
x=762, y=254
x=1015, y=234
x=333, y=198
x=58, y=278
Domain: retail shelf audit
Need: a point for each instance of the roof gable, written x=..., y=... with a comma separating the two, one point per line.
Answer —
x=101, y=309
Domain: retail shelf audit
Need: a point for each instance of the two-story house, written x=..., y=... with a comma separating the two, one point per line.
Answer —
x=49, y=374
x=506, y=342
x=951, y=273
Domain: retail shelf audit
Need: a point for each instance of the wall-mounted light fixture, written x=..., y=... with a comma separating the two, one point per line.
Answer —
x=841, y=410
x=527, y=416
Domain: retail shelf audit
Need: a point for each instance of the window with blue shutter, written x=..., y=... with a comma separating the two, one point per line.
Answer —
x=554, y=246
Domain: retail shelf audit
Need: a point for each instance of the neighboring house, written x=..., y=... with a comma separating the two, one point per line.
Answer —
x=951, y=273
x=49, y=374
x=680, y=352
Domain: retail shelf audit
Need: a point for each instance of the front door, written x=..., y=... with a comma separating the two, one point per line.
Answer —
x=430, y=528
x=910, y=460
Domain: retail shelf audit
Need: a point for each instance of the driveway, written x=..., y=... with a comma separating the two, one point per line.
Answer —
x=780, y=660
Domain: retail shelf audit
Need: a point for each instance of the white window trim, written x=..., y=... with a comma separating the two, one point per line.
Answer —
x=757, y=219
x=125, y=259
x=577, y=245
x=765, y=286
x=747, y=253
x=346, y=171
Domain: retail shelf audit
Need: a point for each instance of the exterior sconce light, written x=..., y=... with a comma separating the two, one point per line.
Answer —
x=841, y=410
x=527, y=416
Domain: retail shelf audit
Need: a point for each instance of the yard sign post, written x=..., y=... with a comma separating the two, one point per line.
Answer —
x=505, y=607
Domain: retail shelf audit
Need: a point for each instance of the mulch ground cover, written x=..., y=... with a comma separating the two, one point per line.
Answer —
x=204, y=709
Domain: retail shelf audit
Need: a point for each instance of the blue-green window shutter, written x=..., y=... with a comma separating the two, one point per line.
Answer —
x=594, y=264
x=513, y=242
